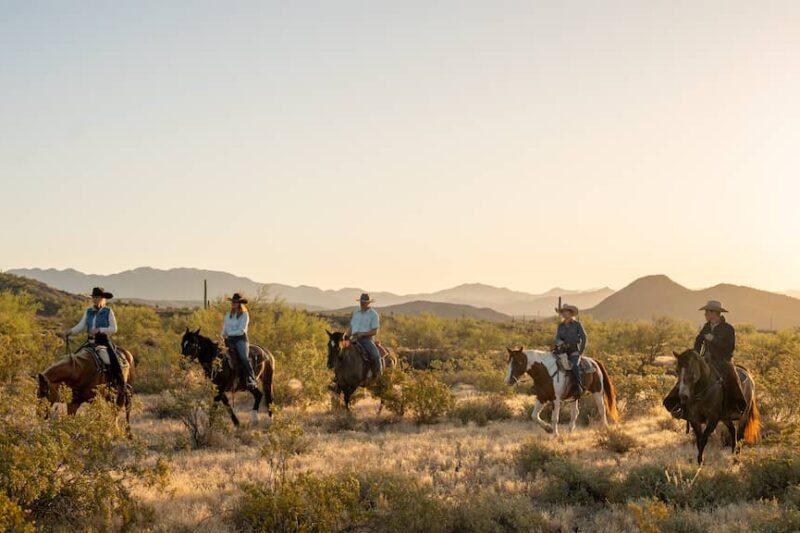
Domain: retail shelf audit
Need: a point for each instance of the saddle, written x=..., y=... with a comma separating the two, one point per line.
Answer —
x=104, y=367
x=586, y=367
x=383, y=351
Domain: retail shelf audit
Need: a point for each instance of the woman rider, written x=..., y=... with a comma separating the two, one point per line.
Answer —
x=234, y=331
x=571, y=340
x=99, y=323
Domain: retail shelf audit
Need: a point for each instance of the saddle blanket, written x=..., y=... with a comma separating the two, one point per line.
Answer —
x=585, y=364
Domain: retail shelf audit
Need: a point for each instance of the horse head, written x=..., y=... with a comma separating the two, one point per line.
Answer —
x=191, y=344
x=517, y=365
x=691, y=368
x=335, y=345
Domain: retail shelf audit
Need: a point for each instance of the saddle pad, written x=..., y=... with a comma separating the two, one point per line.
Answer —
x=586, y=366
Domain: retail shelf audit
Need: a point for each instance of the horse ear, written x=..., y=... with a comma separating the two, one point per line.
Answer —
x=521, y=348
x=42, y=379
x=329, y=333
x=510, y=351
x=187, y=329
x=197, y=332
x=676, y=354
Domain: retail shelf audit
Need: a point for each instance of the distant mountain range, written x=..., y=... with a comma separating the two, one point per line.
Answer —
x=793, y=294
x=185, y=286
x=50, y=300
x=659, y=295
x=442, y=309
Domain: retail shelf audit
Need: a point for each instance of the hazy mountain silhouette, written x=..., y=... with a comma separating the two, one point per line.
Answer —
x=51, y=299
x=442, y=309
x=659, y=295
x=793, y=294
x=179, y=285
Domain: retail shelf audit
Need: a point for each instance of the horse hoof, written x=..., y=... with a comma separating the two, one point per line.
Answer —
x=254, y=417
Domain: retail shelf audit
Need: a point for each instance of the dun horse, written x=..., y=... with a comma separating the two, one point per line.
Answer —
x=702, y=396
x=218, y=368
x=550, y=385
x=82, y=372
x=349, y=365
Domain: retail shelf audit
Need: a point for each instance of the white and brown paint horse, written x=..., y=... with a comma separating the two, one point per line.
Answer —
x=553, y=385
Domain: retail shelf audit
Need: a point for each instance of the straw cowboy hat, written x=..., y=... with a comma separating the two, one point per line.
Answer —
x=365, y=298
x=237, y=298
x=713, y=305
x=570, y=308
x=100, y=292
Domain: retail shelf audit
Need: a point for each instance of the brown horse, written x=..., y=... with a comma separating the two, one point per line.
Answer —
x=82, y=373
x=551, y=385
x=349, y=366
x=702, y=395
x=218, y=367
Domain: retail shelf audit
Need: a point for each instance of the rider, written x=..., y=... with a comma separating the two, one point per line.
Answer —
x=571, y=340
x=99, y=322
x=717, y=340
x=363, y=327
x=234, y=331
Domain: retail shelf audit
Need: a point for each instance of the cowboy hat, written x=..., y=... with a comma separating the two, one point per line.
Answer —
x=100, y=292
x=713, y=305
x=365, y=298
x=568, y=307
x=237, y=298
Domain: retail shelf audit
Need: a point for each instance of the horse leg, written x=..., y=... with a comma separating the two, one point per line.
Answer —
x=701, y=444
x=266, y=382
x=601, y=407
x=72, y=408
x=256, y=403
x=556, y=414
x=573, y=418
x=348, y=393
x=732, y=430
x=537, y=409
x=222, y=397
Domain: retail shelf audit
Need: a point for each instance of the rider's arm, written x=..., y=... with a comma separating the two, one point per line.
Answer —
x=582, y=339
x=724, y=339
x=112, y=323
x=558, y=336
x=80, y=326
x=698, y=341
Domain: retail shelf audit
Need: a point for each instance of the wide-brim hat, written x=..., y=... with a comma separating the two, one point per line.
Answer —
x=713, y=305
x=237, y=298
x=568, y=307
x=365, y=298
x=100, y=292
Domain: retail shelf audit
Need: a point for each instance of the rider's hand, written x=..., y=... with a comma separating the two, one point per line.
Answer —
x=94, y=331
x=560, y=343
x=709, y=337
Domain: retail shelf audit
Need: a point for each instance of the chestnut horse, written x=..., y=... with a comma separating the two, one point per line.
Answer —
x=349, y=367
x=81, y=373
x=553, y=385
x=218, y=368
x=702, y=395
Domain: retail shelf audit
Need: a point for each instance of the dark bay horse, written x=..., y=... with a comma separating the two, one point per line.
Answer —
x=217, y=366
x=550, y=385
x=702, y=395
x=349, y=366
x=82, y=373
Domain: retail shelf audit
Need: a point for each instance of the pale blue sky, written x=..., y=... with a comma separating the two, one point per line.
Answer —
x=404, y=146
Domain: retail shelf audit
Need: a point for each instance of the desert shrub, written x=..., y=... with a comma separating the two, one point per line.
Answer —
x=205, y=420
x=771, y=476
x=24, y=345
x=309, y=503
x=713, y=489
x=481, y=411
x=639, y=394
x=286, y=437
x=428, y=398
x=533, y=457
x=649, y=514
x=571, y=482
x=775, y=519
x=390, y=389
x=650, y=480
x=166, y=405
x=498, y=513
x=13, y=517
x=70, y=471
x=617, y=441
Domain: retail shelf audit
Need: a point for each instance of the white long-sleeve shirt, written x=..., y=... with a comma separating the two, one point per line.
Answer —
x=233, y=326
x=110, y=330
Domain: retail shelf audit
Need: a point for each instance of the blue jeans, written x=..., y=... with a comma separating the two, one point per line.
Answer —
x=574, y=360
x=243, y=349
x=372, y=350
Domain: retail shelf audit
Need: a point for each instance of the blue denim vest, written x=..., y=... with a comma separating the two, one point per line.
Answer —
x=102, y=318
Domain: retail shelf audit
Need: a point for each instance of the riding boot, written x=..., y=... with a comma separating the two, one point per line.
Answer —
x=735, y=402
x=576, y=378
x=672, y=403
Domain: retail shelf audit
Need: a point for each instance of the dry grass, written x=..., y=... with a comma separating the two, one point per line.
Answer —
x=452, y=458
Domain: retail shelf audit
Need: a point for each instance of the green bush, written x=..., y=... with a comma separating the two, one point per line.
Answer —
x=771, y=476
x=568, y=481
x=428, y=398
x=617, y=441
x=206, y=421
x=498, y=513
x=532, y=457
x=391, y=389
x=650, y=480
x=481, y=411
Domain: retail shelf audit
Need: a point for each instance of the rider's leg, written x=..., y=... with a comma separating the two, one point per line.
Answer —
x=672, y=402
x=243, y=349
x=374, y=354
x=574, y=360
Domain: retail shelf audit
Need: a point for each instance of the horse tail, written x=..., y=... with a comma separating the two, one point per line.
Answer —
x=609, y=393
x=266, y=379
x=752, y=430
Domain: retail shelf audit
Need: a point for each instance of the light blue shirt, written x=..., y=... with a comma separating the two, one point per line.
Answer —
x=364, y=321
x=234, y=326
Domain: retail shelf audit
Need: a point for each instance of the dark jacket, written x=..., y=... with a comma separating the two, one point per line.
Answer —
x=721, y=348
x=572, y=334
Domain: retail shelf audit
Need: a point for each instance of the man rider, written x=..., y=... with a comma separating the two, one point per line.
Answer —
x=571, y=339
x=716, y=342
x=99, y=323
x=363, y=327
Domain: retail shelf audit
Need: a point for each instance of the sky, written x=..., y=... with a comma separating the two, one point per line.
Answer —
x=404, y=146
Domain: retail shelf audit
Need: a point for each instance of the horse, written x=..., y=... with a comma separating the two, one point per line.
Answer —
x=349, y=365
x=702, y=395
x=551, y=385
x=82, y=372
x=218, y=368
